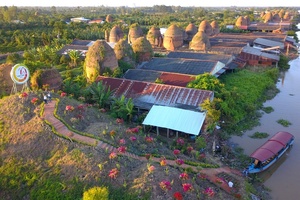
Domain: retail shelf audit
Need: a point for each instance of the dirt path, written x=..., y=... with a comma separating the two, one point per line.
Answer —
x=61, y=129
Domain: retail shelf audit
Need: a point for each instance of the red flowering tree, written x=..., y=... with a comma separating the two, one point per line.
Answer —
x=113, y=173
x=178, y=196
x=187, y=187
x=165, y=185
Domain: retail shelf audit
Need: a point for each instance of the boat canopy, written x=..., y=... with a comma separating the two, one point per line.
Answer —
x=272, y=146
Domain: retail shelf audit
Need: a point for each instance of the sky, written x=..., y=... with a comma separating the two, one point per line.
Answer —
x=138, y=3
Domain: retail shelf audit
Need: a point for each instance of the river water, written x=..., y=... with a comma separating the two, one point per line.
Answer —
x=284, y=177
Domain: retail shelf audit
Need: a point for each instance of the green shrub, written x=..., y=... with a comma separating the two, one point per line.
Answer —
x=284, y=123
x=268, y=109
x=96, y=193
x=259, y=135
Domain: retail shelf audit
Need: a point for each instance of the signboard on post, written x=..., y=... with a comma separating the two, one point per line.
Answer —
x=19, y=74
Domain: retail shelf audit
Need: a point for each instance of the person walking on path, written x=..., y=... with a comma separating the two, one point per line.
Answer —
x=49, y=96
x=45, y=99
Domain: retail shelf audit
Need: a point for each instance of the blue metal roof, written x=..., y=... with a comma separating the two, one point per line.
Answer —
x=177, y=119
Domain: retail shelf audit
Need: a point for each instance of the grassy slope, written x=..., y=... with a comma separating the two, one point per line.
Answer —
x=37, y=164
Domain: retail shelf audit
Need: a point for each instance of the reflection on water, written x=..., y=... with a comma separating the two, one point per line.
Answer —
x=282, y=178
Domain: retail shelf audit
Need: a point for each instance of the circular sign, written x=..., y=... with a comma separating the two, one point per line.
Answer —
x=19, y=74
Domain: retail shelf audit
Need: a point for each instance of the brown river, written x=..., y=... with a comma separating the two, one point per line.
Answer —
x=283, y=178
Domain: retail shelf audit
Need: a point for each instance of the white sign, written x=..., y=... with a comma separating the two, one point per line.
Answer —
x=19, y=74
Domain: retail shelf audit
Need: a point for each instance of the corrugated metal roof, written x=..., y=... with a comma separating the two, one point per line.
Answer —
x=180, y=65
x=258, y=52
x=176, y=119
x=201, y=56
x=268, y=43
x=150, y=76
x=145, y=94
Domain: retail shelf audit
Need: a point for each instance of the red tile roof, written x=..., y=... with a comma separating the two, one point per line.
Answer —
x=145, y=94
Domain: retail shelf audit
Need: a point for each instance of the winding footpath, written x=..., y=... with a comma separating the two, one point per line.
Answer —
x=211, y=173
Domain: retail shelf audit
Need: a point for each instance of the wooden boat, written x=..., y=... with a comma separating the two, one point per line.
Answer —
x=270, y=152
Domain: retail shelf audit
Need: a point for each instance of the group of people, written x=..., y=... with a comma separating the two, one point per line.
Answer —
x=47, y=97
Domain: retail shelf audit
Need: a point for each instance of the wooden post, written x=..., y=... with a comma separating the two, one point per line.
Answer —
x=157, y=131
x=176, y=134
x=168, y=133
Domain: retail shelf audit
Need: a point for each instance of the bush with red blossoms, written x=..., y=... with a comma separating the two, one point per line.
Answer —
x=184, y=176
x=122, y=149
x=132, y=130
x=34, y=100
x=187, y=187
x=113, y=173
x=209, y=192
x=178, y=196
x=69, y=108
x=189, y=149
x=163, y=162
x=132, y=138
x=179, y=161
x=122, y=141
x=63, y=94
x=80, y=107
x=149, y=139
x=112, y=155
x=119, y=121
x=180, y=141
x=151, y=168
x=176, y=152
x=165, y=185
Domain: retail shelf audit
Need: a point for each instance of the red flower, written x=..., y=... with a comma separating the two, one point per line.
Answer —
x=132, y=138
x=187, y=187
x=149, y=139
x=178, y=196
x=119, y=121
x=80, y=107
x=184, y=176
x=176, y=152
x=112, y=155
x=151, y=168
x=190, y=149
x=163, y=162
x=34, y=100
x=209, y=192
x=63, y=94
x=122, y=149
x=180, y=141
x=122, y=141
x=69, y=108
x=165, y=185
x=179, y=161
x=113, y=173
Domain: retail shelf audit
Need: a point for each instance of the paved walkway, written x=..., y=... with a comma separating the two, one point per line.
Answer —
x=211, y=173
